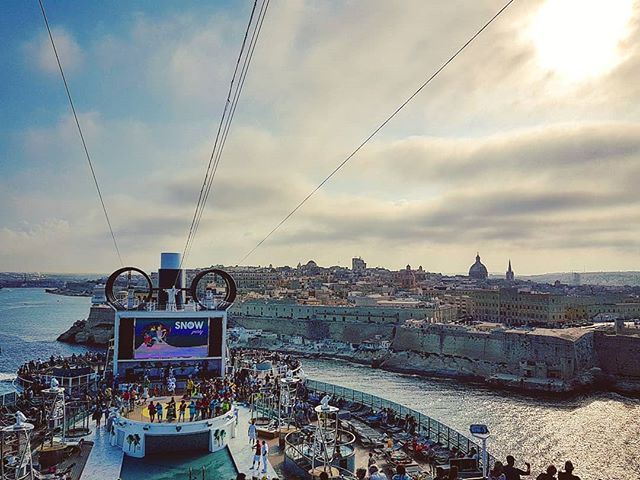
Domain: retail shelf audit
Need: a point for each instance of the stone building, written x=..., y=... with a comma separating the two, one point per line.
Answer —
x=478, y=271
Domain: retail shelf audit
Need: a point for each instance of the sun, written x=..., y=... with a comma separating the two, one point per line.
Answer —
x=580, y=39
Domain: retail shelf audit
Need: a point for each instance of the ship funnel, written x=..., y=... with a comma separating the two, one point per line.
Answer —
x=171, y=276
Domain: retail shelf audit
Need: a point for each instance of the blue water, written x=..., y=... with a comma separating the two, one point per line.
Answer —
x=30, y=322
x=169, y=466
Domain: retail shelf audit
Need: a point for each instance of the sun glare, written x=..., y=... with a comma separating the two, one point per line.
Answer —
x=579, y=39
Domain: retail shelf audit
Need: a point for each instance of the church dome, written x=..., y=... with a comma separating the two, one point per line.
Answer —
x=478, y=270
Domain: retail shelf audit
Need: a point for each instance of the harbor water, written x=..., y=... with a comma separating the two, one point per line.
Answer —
x=30, y=321
x=600, y=432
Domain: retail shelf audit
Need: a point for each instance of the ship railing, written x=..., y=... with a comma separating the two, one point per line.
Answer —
x=432, y=429
x=69, y=383
x=296, y=454
x=8, y=398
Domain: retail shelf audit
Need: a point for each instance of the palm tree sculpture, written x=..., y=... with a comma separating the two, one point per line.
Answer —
x=136, y=442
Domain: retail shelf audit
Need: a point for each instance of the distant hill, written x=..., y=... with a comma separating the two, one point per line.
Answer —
x=589, y=278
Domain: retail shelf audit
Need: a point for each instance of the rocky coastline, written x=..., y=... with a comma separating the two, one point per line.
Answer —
x=96, y=330
x=67, y=293
x=397, y=362
x=408, y=356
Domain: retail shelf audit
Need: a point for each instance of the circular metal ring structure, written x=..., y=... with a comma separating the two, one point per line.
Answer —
x=230, y=294
x=108, y=289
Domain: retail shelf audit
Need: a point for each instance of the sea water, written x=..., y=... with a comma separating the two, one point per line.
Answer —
x=30, y=322
x=599, y=433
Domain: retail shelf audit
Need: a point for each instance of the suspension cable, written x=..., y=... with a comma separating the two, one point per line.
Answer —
x=84, y=143
x=233, y=95
x=234, y=104
x=377, y=129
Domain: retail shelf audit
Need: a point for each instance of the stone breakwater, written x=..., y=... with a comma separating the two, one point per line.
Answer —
x=545, y=360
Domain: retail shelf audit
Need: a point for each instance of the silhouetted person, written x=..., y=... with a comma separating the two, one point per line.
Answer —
x=453, y=473
x=550, y=474
x=513, y=473
x=497, y=473
x=568, y=472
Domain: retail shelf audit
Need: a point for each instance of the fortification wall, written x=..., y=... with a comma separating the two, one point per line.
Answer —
x=352, y=332
x=444, y=348
x=618, y=355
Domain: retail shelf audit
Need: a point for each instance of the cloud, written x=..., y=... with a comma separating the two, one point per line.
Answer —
x=40, y=52
x=593, y=157
x=496, y=154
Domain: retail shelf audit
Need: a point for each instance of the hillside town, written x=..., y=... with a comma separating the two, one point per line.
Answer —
x=504, y=331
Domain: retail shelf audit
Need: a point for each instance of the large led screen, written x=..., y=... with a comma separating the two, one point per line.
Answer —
x=171, y=338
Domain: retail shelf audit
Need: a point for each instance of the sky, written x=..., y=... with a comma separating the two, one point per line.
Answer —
x=526, y=147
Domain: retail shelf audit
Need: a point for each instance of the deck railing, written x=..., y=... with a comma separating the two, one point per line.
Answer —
x=8, y=398
x=430, y=428
x=69, y=383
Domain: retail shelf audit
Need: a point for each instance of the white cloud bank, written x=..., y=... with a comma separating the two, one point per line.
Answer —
x=496, y=155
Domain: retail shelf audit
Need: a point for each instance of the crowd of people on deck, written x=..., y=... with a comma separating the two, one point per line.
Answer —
x=205, y=398
x=34, y=369
x=509, y=471
x=500, y=471
x=35, y=377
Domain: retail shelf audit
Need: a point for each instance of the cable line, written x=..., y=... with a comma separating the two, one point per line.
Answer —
x=84, y=144
x=224, y=114
x=380, y=127
x=234, y=104
x=233, y=95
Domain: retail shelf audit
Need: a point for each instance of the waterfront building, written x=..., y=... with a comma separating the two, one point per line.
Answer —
x=98, y=297
x=510, y=306
x=250, y=279
x=381, y=314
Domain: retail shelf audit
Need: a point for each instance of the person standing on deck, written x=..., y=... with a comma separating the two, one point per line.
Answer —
x=253, y=432
x=97, y=415
x=375, y=474
x=568, y=472
x=192, y=410
x=550, y=474
x=181, y=411
x=152, y=411
x=265, y=454
x=401, y=474
x=159, y=409
x=513, y=473
x=257, y=455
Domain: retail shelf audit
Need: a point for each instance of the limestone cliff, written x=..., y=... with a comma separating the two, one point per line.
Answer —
x=524, y=359
x=97, y=329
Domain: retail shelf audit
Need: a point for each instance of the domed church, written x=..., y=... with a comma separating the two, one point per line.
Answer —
x=478, y=271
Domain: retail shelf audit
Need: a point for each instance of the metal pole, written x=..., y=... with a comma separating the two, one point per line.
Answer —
x=484, y=458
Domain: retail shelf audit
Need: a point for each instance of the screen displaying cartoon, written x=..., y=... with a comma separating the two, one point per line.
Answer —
x=167, y=338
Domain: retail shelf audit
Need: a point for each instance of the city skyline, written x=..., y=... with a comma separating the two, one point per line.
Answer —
x=526, y=147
